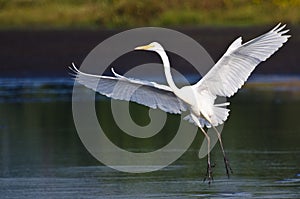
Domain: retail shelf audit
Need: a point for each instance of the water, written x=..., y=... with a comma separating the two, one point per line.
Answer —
x=41, y=155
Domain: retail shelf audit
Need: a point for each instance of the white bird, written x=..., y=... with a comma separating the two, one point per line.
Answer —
x=224, y=79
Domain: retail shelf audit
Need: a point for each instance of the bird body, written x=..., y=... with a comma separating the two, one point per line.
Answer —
x=224, y=79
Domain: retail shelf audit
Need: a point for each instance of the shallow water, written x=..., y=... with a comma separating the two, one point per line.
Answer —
x=41, y=155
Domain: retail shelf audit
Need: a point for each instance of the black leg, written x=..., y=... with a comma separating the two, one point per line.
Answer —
x=226, y=161
x=208, y=176
x=227, y=167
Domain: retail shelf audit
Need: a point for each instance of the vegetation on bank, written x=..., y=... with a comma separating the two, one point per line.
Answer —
x=132, y=13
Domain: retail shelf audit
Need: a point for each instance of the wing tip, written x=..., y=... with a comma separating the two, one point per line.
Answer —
x=74, y=70
x=115, y=73
x=276, y=27
x=279, y=29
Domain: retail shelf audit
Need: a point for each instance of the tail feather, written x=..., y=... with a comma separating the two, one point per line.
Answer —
x=219, y=115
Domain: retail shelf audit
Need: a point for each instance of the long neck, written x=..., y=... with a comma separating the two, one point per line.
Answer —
x=167, y=70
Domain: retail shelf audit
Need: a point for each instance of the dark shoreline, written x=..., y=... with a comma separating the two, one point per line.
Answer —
x=31, y=53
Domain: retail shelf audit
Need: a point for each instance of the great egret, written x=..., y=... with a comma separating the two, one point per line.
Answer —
x=224, y=79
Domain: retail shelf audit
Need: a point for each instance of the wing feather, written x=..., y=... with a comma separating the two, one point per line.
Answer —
x=235, y=66
x=147, y=93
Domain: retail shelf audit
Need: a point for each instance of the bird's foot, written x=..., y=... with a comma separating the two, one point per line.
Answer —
x=208, y=175
x=227, y=167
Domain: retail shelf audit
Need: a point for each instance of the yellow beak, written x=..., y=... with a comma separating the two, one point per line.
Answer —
x=143, y=47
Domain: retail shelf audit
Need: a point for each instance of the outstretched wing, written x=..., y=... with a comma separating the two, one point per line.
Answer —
x=233, y=69
x=119, y=87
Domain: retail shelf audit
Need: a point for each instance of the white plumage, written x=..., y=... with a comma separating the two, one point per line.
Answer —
x=147, y=93
x=224, y=79
x=233, y=69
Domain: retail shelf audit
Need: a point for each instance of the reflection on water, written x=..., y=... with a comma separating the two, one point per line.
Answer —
x=41, y=155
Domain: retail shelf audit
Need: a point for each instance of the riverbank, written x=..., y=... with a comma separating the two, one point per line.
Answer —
x=49, y=14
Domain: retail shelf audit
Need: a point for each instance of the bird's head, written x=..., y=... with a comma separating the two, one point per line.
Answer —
x=154, y=46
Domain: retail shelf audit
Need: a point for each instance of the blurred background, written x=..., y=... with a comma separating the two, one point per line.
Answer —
x=41, y=37
x=41, y=154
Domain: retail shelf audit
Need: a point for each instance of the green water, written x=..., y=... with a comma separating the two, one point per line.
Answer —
x=41, y=155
